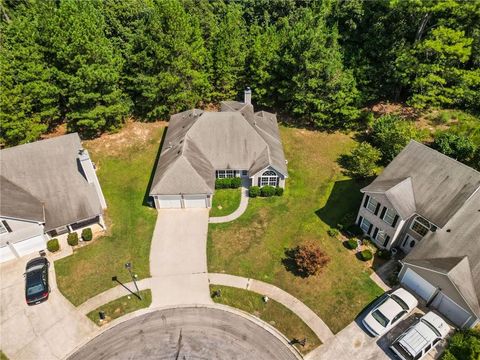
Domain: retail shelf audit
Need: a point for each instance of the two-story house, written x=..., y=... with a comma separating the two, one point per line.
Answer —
x=428, y=206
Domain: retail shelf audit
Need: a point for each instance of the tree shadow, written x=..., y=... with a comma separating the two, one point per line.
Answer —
x=290, y=265
x=343, y=203
x=147, y=201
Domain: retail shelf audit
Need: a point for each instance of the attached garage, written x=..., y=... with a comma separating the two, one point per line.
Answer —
x=168, y=202
x=418, y=284
x=451, y=310
x=29, y=246
x=6, y=254
x=195, y=201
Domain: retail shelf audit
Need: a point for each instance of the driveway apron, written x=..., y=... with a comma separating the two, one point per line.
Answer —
x=178, y=258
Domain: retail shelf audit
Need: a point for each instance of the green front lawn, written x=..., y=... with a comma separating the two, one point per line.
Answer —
x=271, y=312
x=317, y=196
x=225, y=202
x=122, y=306
x=124, y=169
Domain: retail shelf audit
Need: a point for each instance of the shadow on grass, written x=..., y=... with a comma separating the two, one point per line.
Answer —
x=290, y=265
x=342, y=204
x=147, y=201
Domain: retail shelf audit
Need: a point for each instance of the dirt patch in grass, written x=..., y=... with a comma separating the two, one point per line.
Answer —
x=272, y=312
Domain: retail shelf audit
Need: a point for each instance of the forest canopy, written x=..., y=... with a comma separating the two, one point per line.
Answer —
x=92, y=63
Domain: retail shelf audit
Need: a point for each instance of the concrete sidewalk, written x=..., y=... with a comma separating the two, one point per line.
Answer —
x=237, y=213
x=296, y=306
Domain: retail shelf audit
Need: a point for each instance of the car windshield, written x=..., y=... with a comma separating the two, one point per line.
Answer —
x=431, y=327
x=400, y=302
x=35, y=289
x=377, y=315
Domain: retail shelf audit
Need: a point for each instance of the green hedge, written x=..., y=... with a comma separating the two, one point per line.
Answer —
x=72, y=239
x=267, y=191
x=228, y=183
x=366, y=255
x=332, y=232
x=87, y=234
x=279, y=191
x=352, y=244
x=253, y=191
x=53, y=245
x=383, y=254
x=264, y=191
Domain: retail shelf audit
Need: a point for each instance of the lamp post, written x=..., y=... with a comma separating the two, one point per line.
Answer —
x=128, y=266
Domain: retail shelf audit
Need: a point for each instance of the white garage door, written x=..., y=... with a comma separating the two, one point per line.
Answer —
x=29, y=246
x=451, y=310
x=6, y=254
x=170, y=203
x=418, y=284
x=195, y=201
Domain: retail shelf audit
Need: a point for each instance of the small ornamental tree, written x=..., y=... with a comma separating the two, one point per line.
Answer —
x=362, y=161
x=309, y=259
x=87, y=234
x=463, y=345
x=53, y=245
x=72, y=239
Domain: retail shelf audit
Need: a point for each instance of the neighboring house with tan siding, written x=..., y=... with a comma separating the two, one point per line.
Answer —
x=428, y=206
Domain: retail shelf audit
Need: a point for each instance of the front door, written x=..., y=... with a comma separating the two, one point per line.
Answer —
x=408, y=244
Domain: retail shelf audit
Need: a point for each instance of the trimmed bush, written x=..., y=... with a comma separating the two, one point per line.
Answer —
x=87, y=234
x=253, y=191
x=332, y=232
x=235, y=182
x=72, y=239
x=279, y=191
x=383, y=254
x=228, y=183
x=366, y=255
x=53, y=245
x=267, y=191
x=352, y=244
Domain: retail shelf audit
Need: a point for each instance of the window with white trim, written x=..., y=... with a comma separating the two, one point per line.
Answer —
x=420, y=226
x=269, y=177
x=372, y=204
x=224, y=174
x=365, y=225
x=381, y=235
x=3, y=229
x=389, y=216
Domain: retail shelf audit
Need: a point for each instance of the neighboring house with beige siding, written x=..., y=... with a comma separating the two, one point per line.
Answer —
x=201, y=146
x=47, y=187
x=428, y=206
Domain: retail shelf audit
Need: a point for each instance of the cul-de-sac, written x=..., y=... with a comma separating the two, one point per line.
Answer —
x=258, y=179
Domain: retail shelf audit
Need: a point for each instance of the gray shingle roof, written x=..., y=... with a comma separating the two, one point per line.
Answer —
x=46, y=172
x=441, y=185
x=460, y=238
x=197, y=143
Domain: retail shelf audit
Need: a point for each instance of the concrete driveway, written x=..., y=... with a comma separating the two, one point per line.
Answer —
x=45, y=331
x=178, y=258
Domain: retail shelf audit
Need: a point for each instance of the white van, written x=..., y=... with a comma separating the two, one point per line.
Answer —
x=420, y=338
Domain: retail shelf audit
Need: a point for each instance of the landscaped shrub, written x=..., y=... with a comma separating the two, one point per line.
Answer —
x=366, y=255
x=253, y=191
x=383, y=254
x=267, y=191
x=87, y=234
x=355, y=230
x=223, y=183
x=352, y=244
x=463, y=345
x=53, y=245
x=72, y=239
x=332, y=232
x=309, y=259
x=279, y=191
x=235, y=182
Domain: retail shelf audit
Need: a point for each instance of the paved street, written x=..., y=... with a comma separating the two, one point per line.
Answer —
x=42, y=332
x=187, y=333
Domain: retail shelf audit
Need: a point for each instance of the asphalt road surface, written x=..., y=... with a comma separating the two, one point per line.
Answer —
x=185, y=334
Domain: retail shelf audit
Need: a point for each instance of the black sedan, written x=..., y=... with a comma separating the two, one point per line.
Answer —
x=36, y=281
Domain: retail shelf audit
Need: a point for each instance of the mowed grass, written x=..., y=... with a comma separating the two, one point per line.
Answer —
x=122, y=306
x=124, y=171
x=225, y=202
x=271, y=312
x=317, y=196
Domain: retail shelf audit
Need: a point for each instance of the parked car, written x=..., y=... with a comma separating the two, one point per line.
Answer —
x=36, y=281
x=392, y=309
x=420, y=338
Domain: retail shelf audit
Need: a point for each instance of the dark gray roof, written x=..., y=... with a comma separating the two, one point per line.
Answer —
x=46, y=173
x=460, y=238
x=439, y=185
x=198, y=142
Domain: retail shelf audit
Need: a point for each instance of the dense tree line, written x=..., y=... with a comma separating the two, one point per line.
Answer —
x=92, y=63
